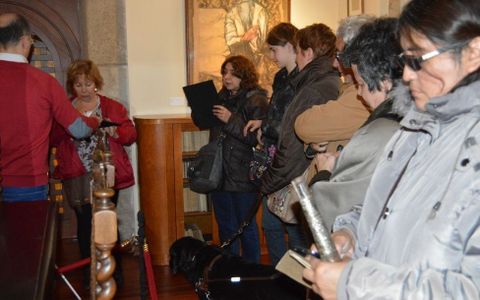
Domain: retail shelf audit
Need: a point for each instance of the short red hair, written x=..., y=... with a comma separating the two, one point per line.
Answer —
x=83, y=67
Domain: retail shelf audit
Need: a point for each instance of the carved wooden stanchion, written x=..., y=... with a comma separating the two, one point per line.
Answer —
x=104, y=224
x=105, y=236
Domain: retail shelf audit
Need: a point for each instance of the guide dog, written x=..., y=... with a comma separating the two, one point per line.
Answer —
x=218, y=275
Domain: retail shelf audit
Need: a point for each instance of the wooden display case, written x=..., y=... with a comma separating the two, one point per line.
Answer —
x=162, y=155
x=162, y=182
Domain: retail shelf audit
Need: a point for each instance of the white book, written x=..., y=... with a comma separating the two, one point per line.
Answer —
x=292, y=264
x=202, y=199
x=187, y=141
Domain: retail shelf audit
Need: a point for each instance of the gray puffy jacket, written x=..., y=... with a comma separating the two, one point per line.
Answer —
x=418, y=234
x=354, y=168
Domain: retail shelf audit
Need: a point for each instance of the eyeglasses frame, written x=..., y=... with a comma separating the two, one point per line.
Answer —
x=415, y=62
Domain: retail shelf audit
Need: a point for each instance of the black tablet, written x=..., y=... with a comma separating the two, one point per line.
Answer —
x=106, y=123
x=201, y=98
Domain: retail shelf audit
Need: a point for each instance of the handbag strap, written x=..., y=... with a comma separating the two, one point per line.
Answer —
x=221, y=137
x=251, y=214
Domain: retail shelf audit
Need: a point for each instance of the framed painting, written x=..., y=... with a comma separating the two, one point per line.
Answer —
x=355, y=7
x=394, y=8
x=216, y=29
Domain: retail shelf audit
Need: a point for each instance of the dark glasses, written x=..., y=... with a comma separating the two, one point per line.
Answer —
x=415, y=62
x=339, y=56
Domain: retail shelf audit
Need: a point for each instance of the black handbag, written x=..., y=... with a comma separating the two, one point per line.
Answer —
x=259, y=164
x=206, y=170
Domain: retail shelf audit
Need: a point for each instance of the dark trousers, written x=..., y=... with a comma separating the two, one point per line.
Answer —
x=231, y=209
x=84, y=232
x=275, y=229
x=84, y=226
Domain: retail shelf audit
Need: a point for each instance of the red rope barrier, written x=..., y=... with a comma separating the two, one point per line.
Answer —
x=75, y=265
x=152, y=288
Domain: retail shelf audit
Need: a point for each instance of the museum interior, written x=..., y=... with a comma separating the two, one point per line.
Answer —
x=146, y=51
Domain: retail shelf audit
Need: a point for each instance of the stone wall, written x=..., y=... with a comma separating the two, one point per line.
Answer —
x=104, y=42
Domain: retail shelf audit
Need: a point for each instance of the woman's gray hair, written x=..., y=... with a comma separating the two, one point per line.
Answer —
x=349, y=26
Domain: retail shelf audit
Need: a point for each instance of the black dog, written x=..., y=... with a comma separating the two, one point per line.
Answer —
x=219, y=275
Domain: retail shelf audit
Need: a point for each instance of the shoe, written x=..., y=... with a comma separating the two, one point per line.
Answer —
x=86, y=278
x=118, y=273
x=118, y=276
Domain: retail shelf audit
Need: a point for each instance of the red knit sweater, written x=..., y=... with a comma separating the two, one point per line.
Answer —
x=29, y=101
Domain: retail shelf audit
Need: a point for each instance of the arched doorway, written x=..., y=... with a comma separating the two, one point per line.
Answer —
x=56, y=30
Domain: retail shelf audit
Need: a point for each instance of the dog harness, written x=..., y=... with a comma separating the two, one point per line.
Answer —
x=201, y=286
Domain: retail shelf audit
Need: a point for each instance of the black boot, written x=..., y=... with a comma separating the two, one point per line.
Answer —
x=84, y=232
x=86, y=278
x=118, y=273
x=84, y=229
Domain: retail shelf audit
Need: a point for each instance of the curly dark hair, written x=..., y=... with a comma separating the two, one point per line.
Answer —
x=281, y=34
x=319, y=37
x=244, y=69
x=83, y=67
x=375, y=51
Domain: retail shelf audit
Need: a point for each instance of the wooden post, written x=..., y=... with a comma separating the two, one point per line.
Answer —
x=105, y=237
x=104, y=223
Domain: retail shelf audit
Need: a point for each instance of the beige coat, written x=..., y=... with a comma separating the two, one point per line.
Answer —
x=333, y=122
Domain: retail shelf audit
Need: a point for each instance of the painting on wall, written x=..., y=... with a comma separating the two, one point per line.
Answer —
x=394, y=8
x=355, y=7
x=217, y=29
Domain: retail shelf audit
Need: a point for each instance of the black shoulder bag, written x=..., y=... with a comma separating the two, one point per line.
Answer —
x=206, y=170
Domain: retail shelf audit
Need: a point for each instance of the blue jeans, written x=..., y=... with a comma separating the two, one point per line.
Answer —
x=231, y=209
x=274, y=230
x=25, y=194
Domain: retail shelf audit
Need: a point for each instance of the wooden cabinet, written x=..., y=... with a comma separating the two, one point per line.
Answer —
x=161, y=179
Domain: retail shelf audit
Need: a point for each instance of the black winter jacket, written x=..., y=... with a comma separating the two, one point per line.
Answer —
x=316, y=84
x=237, y=149
x=282, y=96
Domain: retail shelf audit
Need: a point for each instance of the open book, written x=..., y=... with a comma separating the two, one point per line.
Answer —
x=292, y=265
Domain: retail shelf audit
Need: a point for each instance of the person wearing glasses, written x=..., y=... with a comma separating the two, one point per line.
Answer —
x=418, y=233
x=344, y=180
x=30, y=100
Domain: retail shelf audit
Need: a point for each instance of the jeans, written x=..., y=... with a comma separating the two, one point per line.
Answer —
x=274, y=230
x=231, y=209
x=25, y=194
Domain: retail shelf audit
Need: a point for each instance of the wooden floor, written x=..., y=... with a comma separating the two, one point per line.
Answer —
x=169, y=286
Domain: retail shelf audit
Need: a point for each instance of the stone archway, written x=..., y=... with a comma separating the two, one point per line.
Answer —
x=56, y=24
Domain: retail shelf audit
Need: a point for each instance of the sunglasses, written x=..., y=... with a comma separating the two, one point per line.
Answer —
x=415, y=62
x=338, y=55
x=341, y=59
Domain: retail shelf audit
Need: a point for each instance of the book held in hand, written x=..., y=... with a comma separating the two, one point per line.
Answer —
x=201, y=98
x=292, y=265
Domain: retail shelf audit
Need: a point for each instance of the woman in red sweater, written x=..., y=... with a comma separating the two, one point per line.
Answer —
x=75, y=157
